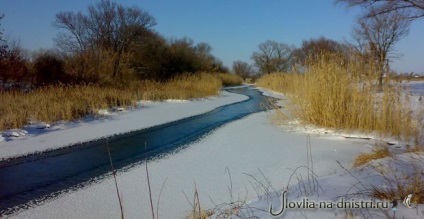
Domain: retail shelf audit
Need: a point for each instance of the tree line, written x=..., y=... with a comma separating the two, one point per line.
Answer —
x=273, y=56
x=110, y=44
x=376, y=31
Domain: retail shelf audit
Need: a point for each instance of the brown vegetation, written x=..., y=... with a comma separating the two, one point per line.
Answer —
x=66, y=102
x=341, y=94
x=399, y=184
x=364, y=158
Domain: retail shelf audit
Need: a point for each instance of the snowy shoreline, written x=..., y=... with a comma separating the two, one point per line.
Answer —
x=33, y=140
x=240, y=155
x=244, y=147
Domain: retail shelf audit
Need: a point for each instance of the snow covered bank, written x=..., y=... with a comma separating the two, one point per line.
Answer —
x=352, y=187
x=33, y=139
x=248, y=149
x=241, y=161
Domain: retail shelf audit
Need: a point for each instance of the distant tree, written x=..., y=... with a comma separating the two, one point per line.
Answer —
x=182, y=57
x=206, y=59
x=3, y=45
x=161, y=59
x=185, y=56
x=272, y=57
x=219, y=67
x=414, y=7
x=315, y=47
x=377, y=36
x=49, y=69
x=149, y=57
x=14, y=67
x=108, y=26
x=242, y=69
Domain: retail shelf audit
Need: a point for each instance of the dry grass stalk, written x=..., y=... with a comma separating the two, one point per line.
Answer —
x=198, y=212
x=121, y=207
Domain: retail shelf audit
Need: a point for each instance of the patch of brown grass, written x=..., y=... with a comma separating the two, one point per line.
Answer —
x=401, y=190
x=230, y=79
x=364, y=158
x=57, y=103
x=182, y=87
x=399, y=185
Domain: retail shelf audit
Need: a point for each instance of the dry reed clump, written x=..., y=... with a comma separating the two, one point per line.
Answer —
x=342, y=93
x=403, y=178
x=57, y=103
x=229, y=79
x=183, y=87
x=411, y=185
x=364, y=158
x=399, y=190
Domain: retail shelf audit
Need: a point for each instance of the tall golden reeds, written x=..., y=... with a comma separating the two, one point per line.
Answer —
x=57, y=103
x=342, y=93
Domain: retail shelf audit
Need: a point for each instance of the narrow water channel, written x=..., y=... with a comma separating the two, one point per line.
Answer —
x=26, y=181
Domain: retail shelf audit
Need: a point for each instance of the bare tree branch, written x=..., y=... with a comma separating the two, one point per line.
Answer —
x=414, y=7
x=377, y=36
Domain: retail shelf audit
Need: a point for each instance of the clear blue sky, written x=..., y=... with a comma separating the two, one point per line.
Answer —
x=233, y=28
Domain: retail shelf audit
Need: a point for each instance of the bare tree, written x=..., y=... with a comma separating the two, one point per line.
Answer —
x=243, y=69
x=272, y=57
x=415, y=7
x=13, y=65
x=49, y=68
x=206, y=59
x=107, y=26
x=377, y=35
x=76, y=36
x=3, y=45
x=316, y=47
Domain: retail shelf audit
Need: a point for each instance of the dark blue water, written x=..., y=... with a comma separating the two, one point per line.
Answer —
x=417, y=88
x=35, y=178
